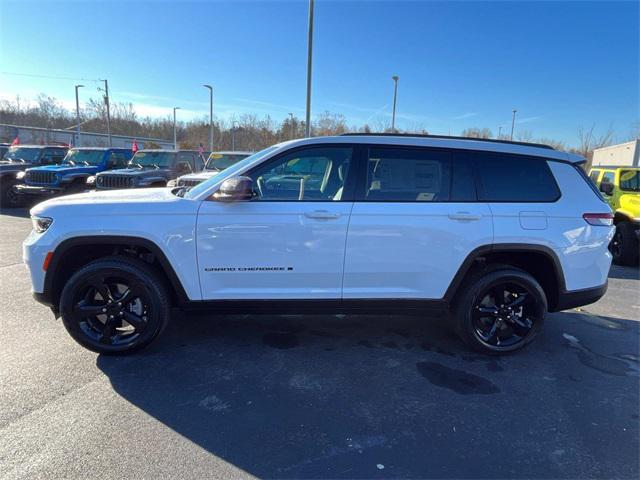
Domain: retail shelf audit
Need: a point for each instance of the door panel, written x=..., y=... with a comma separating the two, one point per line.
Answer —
x=411, y=250
x=272, y=250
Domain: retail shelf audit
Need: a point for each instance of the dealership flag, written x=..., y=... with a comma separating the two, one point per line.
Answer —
x=134, y=147
x=16, y=141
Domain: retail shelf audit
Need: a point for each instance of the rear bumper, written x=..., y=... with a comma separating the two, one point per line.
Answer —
x=579, y=298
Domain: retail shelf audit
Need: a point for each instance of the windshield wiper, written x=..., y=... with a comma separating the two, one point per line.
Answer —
x=155, y=166
x=70, y=162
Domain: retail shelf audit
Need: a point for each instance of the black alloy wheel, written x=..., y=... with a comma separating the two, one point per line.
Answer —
x=114, y=305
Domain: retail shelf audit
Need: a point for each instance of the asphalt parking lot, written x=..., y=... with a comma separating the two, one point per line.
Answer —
x=317, y=396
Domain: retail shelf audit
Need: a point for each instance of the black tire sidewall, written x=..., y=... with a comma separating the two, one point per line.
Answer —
x=157, y=318
x=628, y=245
x=478, y=286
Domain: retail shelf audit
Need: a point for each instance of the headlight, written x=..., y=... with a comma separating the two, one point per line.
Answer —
x=41, y=224
x=132, y=181
x=20, y=175
x=171, y=183
x=91, y=179
x=57, y=177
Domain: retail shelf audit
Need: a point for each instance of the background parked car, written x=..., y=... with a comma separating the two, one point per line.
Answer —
x=151, y=168
x=17, y=159
x=74, y=174
x=216, y=163
x=620, y=186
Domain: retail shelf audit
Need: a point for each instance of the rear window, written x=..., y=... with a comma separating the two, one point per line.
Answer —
x=512, y=178
x=630, y=180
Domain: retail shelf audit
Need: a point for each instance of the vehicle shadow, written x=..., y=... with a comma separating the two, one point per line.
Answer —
x=15, y=212
x=365, y=397
x=624, y=273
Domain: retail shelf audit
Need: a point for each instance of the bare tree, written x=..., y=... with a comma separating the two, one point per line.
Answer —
x=477, y=133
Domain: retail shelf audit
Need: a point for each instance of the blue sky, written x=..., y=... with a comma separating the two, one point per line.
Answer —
x=461, y=64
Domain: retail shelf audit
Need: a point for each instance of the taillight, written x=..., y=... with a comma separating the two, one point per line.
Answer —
x=599, y=219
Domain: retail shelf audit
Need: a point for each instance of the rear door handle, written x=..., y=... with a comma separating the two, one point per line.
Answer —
x=464, y=216
x=322, y=214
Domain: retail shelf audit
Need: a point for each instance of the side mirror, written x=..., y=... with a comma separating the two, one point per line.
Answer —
x=236, y=189
x=606, y=188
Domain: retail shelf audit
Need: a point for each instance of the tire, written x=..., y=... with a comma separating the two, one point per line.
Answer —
x=95, y=317
x=487, y=327
x=10, y=198
x=624, y=245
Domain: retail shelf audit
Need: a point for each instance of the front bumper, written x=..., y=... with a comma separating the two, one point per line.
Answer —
x=40, y=191
x=578, y=298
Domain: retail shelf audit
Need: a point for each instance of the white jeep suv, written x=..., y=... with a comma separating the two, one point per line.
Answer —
x=495, y=233
x=216, y=163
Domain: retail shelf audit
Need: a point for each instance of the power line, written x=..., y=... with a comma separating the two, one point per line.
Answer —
x=48, y=76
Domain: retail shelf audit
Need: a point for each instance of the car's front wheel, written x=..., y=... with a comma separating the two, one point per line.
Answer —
x=500, y=311
x=11, y=198
x=115, y=305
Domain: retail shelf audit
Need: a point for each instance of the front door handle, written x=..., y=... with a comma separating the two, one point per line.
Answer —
x=322, y=214
x=464, y=216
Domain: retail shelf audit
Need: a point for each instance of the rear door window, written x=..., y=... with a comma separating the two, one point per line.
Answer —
x=407, y=175
x=514, y=178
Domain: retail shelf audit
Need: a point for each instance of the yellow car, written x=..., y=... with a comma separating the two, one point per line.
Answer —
x=620, y=187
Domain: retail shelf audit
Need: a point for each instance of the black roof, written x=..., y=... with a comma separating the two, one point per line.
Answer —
x=449, y=137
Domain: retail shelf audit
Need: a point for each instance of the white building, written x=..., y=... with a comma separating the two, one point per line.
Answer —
x=623, y=155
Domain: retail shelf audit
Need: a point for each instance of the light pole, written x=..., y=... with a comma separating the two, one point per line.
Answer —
x=106, y=102
x=309, y=58
x=291, y=125
x=78, y=115
x=233, y=135
x=210, y=116
x=175, y=137
x=395, y=95
x=499, y=131
x=513, y=123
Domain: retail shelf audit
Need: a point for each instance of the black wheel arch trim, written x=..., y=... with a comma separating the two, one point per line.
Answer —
x=47, y=296
x=477, y=253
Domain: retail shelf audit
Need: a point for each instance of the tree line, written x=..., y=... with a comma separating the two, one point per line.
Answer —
x=249, y=131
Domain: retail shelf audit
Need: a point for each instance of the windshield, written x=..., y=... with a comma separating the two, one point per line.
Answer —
x=630, y=180
x=84, y=157
x=152, y=159
x=237, y=167
x=220, y=161
x=22, y=153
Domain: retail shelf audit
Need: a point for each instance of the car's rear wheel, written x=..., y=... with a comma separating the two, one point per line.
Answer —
x=500, y=311
x=624, y=245
x=115, y=305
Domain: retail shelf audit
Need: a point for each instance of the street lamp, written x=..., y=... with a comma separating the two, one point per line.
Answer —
x=78, y=115
x=233, y=135
x=395, y=79
x=309, y=58
x=210, y=116
x=175, y=137
x=291, y=125
x=513, y=123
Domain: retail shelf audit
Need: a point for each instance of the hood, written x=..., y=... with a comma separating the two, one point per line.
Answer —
x=109, y=202
x=67, y=168
x=204, y=175
x=12, y=166
x=134, y=172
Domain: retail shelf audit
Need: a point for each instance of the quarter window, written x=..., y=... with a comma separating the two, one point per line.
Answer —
x=512, y=178
x=630, y=180
x=407, y=175
x=314, y=174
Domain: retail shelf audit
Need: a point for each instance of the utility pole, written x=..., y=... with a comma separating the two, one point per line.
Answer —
x=513, y=123
x=499, y=131
x=291, y=126
x=106, y=102
x=210, y=116
x=395, y=79
x=78, y=116
x=309, y=59
x=175, y=136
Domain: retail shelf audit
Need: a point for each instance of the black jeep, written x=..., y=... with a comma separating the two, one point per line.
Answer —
x=17, y=159
x=151, y=168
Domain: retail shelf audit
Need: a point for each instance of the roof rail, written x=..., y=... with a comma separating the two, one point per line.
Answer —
x=449, y=137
